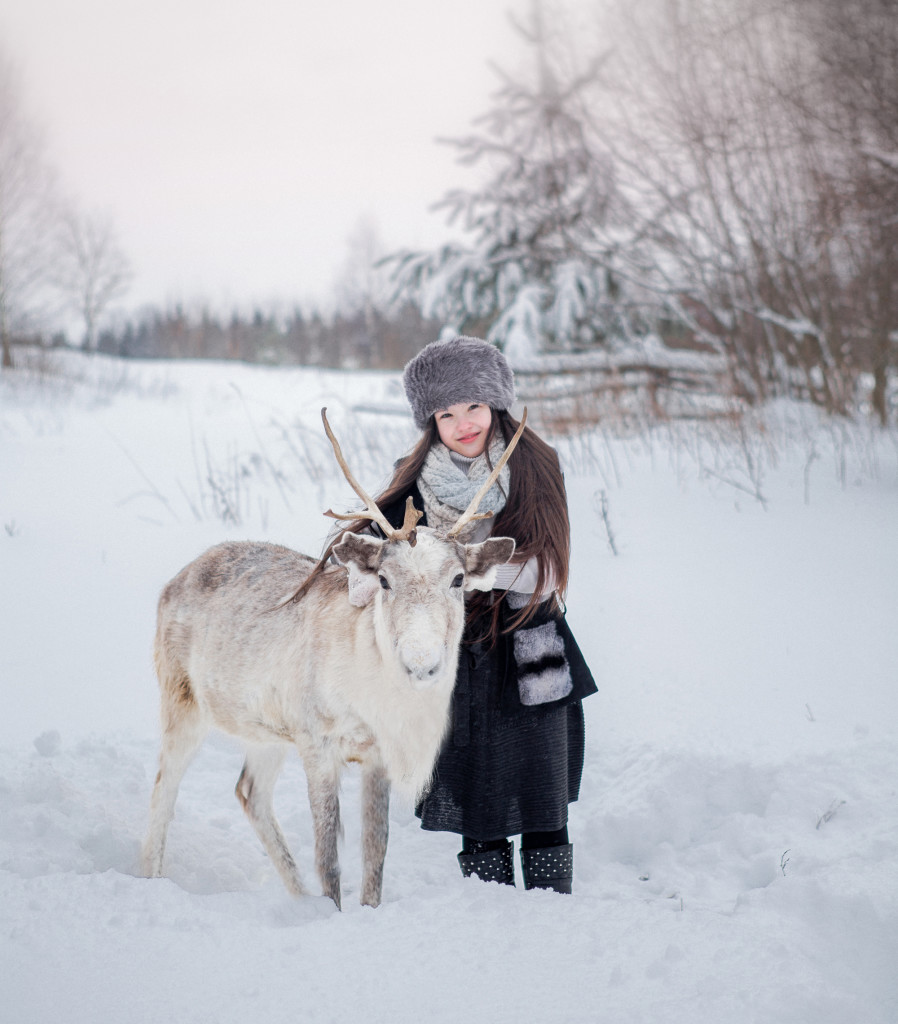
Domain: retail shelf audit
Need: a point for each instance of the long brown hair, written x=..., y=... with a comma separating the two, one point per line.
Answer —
x=535, y=515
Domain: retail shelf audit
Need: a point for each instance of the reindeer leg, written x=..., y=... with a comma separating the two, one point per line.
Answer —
x=184, y=729
x=375, y=830
x=255, y=791
x=324, y=800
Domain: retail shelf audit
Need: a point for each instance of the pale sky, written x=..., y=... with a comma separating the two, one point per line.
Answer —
x=236, y=144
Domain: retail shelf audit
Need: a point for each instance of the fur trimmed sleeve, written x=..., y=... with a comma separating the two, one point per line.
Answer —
x=522, y=579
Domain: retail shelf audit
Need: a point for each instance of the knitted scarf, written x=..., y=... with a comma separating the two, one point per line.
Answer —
x=447, y=491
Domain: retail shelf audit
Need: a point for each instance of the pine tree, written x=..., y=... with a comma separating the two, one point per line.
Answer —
x=540, y=273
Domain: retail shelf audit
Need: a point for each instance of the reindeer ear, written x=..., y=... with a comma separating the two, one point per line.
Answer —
x=358, y=550
x=481, y=561
x=361, y=556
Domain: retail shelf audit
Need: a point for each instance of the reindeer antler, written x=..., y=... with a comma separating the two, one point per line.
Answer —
x=412, y=515
x=471, y=513
x=371, y=511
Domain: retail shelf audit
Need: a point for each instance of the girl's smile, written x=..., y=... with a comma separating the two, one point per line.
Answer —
x=464, y=427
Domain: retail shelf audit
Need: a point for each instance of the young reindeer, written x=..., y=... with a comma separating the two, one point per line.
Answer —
x=358, y=666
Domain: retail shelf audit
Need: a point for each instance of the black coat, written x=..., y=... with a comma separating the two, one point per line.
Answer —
x=508, y=766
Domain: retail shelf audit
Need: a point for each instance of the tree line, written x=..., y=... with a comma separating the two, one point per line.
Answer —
x=355, y=339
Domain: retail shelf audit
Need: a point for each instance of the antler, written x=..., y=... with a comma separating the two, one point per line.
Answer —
x=412, y=515
x=471, y=513
x=371, y=511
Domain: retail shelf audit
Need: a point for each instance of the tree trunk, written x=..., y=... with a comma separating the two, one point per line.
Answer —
x=6, y=362
x=878, y=398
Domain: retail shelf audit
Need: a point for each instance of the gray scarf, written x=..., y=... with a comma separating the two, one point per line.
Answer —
x=447, y=491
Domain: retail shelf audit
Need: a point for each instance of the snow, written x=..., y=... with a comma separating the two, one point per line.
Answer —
x=736, y=840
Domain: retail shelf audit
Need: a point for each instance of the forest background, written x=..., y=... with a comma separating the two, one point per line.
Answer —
x=698, y=175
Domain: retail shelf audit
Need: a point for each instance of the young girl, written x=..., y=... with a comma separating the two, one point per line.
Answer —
x=513, y=757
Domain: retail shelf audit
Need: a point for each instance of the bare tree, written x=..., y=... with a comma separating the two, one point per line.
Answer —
x=90, y=270
x=362, y=285
x=27, y=210
x=856, y=48
x=746, y=137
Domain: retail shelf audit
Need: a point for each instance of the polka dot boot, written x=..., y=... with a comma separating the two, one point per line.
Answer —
x=550, y=867
x=489, y=865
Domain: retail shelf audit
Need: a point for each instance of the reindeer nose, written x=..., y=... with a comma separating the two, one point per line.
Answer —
x=422, y=662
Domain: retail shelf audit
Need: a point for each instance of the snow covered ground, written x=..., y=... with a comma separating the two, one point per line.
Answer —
x=736, y=840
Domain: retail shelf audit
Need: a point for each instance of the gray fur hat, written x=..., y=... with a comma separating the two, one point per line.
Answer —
x=456, y=370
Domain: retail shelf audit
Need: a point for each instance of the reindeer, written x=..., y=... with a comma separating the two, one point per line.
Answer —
x=357, y=665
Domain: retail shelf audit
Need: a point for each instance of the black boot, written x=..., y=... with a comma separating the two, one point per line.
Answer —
x=489, y=865
x=549, y=867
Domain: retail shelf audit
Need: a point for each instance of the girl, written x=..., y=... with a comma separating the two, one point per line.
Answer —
x=513, y=757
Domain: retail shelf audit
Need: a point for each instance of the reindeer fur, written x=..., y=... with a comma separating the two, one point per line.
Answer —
x=361, y=669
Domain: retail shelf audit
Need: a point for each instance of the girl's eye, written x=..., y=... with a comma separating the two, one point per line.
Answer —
x=383, y=583
x=459, y=579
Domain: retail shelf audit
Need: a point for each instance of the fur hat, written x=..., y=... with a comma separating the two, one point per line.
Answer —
x=457, y=370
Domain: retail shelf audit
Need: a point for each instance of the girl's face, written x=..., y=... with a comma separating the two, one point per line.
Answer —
x=464, y=427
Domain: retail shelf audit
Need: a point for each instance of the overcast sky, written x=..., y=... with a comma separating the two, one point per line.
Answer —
x=237, y=143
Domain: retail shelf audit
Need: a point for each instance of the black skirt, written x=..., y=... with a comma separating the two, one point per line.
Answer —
x=502, y=773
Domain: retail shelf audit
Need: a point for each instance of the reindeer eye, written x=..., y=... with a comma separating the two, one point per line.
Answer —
x=459, y=579
x=383, y=583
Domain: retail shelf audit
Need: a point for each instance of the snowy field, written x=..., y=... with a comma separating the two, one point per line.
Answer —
x=736, y=840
